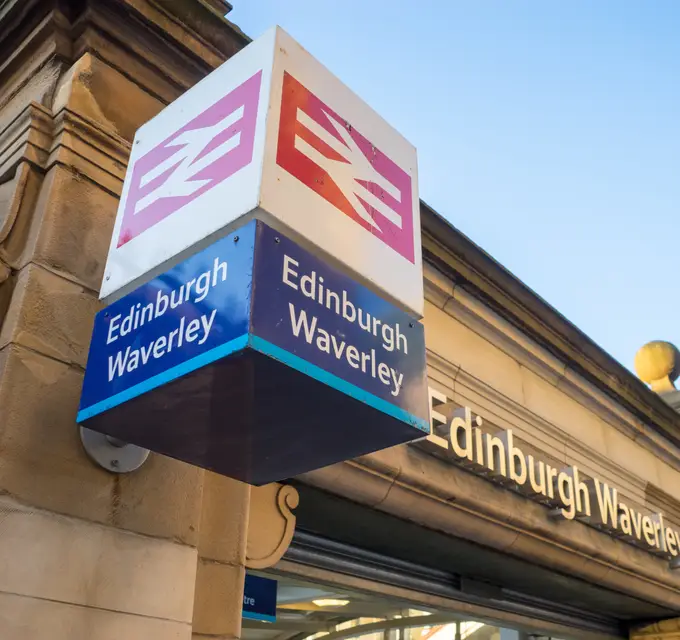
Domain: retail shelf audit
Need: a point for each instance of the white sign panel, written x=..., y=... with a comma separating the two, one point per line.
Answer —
x=271, y=134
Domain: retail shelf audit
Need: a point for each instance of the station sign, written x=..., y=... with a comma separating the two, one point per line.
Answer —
x=258, y=360
x=259, y=598
x=497, y=454
x=272, y=135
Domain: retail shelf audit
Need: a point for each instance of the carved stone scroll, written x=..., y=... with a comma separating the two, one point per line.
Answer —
x=11, y=191
x=271, y=525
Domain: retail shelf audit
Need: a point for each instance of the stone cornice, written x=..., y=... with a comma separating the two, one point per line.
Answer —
x=483, y=320
x=179, y=41
x=31, y=34
x=28, y=136
x=469, y=267
x=38, y=137
x=165, y=46
x=85, y=147
x=413, y=486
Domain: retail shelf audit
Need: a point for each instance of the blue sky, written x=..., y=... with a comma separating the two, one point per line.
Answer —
x=548, y=132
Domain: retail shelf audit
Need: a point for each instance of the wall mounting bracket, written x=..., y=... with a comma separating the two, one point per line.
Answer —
x=112, y=454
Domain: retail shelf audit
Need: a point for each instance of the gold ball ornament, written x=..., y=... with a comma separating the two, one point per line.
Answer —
x=658, y=364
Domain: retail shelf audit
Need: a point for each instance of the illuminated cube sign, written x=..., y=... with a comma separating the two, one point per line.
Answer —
x=272, y=134
x=256, y=359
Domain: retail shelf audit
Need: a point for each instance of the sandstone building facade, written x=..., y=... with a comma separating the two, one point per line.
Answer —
x=86, y=554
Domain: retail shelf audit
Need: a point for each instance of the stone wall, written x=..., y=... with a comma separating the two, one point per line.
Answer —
x=85, y=554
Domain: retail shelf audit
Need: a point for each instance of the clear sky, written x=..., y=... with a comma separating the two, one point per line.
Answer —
x=548, y=132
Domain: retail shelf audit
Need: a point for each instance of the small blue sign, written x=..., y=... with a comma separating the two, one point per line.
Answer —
x=256, y=359
x=259, y=599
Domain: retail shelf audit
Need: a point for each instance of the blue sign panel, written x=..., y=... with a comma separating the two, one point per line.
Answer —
x=192, y=315
x=259, y=598
x=257, y=360
x=316, y=319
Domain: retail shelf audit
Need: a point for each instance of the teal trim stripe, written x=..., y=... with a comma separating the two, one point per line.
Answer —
x=237, y=344
x=266, y=347
x=262, y=617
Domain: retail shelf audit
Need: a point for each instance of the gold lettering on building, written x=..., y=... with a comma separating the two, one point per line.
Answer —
x=499, y=458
